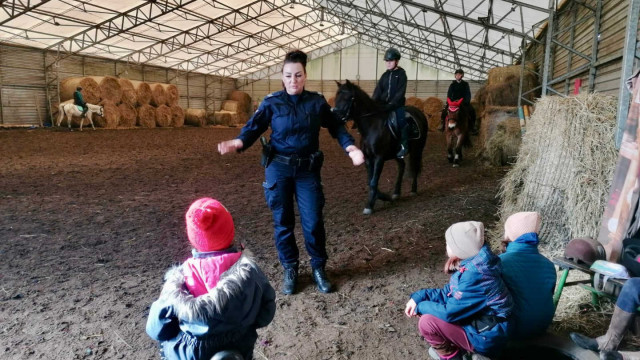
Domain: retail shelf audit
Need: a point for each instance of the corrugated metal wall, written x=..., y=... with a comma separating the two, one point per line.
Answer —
x=23, y=82
x=610, y=45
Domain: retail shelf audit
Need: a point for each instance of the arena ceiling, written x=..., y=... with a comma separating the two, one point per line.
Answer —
x=247, y=39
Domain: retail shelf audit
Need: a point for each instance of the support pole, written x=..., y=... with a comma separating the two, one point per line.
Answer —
x=627, y=67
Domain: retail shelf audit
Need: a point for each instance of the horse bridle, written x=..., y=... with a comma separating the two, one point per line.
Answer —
x=346, y=115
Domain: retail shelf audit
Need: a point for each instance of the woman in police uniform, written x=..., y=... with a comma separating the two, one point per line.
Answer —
x=293, y=166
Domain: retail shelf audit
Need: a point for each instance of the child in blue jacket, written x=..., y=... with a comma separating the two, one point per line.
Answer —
x=470, y=313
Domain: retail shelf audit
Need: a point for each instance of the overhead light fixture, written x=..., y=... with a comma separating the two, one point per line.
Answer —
x=293, y=2
x=55, y=22
x=321, y=16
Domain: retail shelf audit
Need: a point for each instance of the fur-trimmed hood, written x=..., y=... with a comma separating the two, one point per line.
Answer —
x=242, y=301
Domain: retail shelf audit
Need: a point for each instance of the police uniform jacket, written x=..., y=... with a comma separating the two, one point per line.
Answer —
x=459, y=90
x=295, y=123
x=391, y=88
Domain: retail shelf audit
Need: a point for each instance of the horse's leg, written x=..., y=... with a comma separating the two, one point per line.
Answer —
x=458, y=150
x=398, y=187
x=90, y=118
x=376, y=169
x=449, y=147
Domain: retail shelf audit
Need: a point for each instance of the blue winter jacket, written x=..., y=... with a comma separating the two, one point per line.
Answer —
x=295, y=123
x=474, y=293
x=226, y=318
x=531, y=279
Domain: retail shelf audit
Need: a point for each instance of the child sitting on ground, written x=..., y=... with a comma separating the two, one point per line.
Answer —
x=214, y=302
x=470, y=313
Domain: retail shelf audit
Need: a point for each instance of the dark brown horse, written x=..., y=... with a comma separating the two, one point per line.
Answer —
x=378, y=142
x=456, y=130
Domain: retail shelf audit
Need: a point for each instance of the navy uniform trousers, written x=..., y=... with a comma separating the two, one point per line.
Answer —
x=282, y=183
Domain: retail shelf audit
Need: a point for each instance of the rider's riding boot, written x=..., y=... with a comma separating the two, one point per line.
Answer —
x=320, y=278
x=611, y=355
x=609, y=341
x=404, y=142
x=290, y=280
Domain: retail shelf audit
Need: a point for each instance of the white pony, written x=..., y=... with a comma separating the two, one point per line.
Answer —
x=70, y=110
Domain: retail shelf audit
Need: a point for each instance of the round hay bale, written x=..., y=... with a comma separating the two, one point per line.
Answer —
x=230, y=105
x=146, y=116
x=128, y=116
x=177, y=116
x=143, y=92
x=222, y=117
x=242, y=118
x=129, y=93
x=414, y=101
x=243, y=99
x=432, y=109
x=163, y=116
x=90, y=89
x=110, y=88
x=332, y=101
x=195, y=117
x=172, y=94
x=158, y=95
x=111, y=117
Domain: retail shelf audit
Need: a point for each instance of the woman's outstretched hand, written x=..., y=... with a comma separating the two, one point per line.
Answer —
x=230, y=145
x=410, y=309
x=356, y=155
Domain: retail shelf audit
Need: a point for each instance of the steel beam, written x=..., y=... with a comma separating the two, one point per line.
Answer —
x=16, y=8
x=629, y=56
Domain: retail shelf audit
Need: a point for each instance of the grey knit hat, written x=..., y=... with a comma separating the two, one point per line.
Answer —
x=465, y=239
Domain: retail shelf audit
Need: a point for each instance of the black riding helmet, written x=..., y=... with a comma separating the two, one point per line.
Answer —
x=392, y=54
x=79, y=88
x=459, y=71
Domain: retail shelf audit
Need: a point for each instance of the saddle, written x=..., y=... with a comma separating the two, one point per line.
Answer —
x=412, y=125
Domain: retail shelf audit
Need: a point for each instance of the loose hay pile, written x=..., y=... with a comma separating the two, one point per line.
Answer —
x=564, y=168
x=432, y=109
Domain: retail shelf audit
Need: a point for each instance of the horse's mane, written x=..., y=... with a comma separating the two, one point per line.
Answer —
x=361, y=94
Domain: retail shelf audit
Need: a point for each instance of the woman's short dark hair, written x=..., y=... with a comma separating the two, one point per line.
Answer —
x=296, y=56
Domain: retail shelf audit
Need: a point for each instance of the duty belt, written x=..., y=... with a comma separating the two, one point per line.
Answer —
x=292, y=160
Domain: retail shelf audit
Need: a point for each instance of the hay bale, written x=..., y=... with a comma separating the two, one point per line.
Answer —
x=129, y=93
x=332, y=101
x=143, y=92
x=128, y=116
x=502, y=148
x=146, y=116
x=222, y=117
x=90, y=89
x=230, y=105
x=111, y=116
x=158, y=95
x=503, y=94
x=499, y=75
x=110, y=89
x=242, y=118
x=195, y=117
x=432, y=109
x=177, y=116
x=243, y=99
x=414, y=101
x=492, y=116
x=564, y=169
x=172, y=94
x=163, y=116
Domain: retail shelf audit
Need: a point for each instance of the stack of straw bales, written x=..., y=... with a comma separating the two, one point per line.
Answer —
x=127, y=103
x=503, y=85
x=564, y=168
x=234, y=111
x=432, y=109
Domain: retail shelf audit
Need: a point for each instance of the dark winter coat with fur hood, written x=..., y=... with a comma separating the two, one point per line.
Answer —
x=226, y=318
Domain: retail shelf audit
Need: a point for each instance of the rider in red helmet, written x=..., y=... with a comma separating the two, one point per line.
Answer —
x=459, y=89
x=390, y=90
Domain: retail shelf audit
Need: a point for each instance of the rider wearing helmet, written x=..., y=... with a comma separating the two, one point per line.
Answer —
x=390, y=90
x=459, y=89
x=79, y=100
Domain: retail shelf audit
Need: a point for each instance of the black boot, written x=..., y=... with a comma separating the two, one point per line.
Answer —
x=320, y=278
x=584, y=342
x=290, y=281
x=610, y=355
x=404, y=142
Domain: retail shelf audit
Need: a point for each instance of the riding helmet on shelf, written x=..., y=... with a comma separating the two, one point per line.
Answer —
x=392, y=54
x=584, y=250
x=459, y=71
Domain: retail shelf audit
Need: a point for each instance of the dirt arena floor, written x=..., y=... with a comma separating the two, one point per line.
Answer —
x=91, y=220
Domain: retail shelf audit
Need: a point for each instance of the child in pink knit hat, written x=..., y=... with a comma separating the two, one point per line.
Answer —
x=214, y=302
x=530, y=277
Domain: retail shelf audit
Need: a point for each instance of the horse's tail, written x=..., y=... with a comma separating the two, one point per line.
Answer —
x=61, y=113
x=416, y=146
